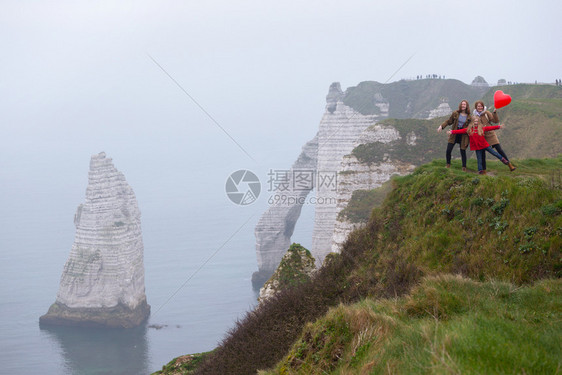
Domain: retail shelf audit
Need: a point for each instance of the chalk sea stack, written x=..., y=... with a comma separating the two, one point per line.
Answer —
x=102, y=283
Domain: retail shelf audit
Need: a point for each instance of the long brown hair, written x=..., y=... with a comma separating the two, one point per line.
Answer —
x=467, y=110
x=472, y=124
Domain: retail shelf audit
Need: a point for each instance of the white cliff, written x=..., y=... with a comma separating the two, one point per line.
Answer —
x=103, y=279
x=337, y=136
x=479, y=81
x=355, y=175
x=442, y=110
x=338, y=173
x=275, y=227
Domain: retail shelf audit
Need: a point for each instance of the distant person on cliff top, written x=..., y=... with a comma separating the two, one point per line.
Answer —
x=487, y=118
x=478, y=142
x=459, y=119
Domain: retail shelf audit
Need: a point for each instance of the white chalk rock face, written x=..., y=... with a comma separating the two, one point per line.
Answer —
x=442, y=110
x=354, y=175
x=275, y=227
x=359, y=176
x=103, y=279
x=337, y=136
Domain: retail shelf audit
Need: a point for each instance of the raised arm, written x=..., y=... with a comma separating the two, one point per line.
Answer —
x=489, y=128
x=458, y=131
x=446, y=123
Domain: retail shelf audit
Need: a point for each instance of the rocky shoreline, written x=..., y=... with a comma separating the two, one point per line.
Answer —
x=120, y=316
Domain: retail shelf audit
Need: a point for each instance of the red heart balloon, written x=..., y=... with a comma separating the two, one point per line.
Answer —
x=501, y=99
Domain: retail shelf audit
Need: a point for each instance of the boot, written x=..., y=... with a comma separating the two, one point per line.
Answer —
x=482, y=171
x=464, y=169
x=511, y=166
x=448, y=166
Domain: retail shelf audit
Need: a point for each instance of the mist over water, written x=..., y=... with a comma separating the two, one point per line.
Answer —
x=186, y=218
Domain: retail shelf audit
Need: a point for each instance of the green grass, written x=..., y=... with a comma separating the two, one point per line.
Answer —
x=447, y=324
x=495, y=229
x=186, y=364
x=363, y=201
x=292, y=269
x=451, y=221
x=523, y=91
x=440, y=221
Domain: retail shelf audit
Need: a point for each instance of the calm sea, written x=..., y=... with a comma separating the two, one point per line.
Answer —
x=199, y=257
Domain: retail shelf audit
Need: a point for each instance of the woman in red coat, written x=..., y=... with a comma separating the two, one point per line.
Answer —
x=478, y=142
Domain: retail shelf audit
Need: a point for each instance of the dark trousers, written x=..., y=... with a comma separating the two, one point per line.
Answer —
x=481, y=155
x=499, y=150
x=450, y=148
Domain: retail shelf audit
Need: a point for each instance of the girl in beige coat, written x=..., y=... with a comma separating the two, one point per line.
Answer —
x=486, y=119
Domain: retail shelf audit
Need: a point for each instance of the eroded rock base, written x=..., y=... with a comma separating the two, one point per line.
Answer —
x=119, y=316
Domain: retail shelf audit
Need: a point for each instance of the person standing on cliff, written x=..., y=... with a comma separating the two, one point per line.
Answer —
x=459, y=119
x=486, y=119
x=478, y=141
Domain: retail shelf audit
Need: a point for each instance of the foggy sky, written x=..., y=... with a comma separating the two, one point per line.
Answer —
x=77, y=78
x=81, y=68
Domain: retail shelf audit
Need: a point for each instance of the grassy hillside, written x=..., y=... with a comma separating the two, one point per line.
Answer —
x=533, y=124
x=501, y=232
x=524, y=91
x=505, y=228
x=446, y=325
x=410, y=99
x=184, y=365
x=362, y=203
